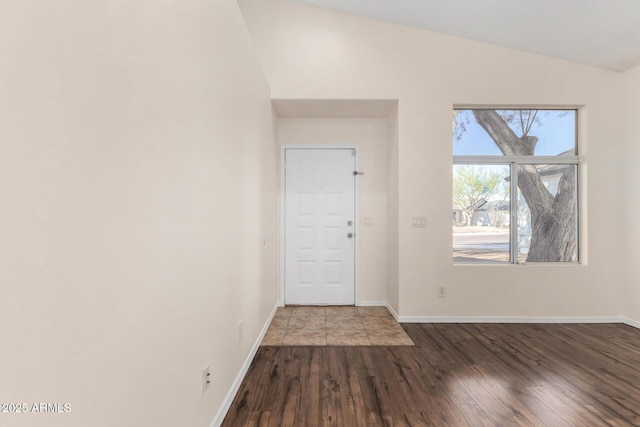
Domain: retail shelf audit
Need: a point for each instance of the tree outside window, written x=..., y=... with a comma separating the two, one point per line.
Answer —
x=515, y=186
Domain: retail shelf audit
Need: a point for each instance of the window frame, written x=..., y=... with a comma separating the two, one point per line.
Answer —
x=513, y=162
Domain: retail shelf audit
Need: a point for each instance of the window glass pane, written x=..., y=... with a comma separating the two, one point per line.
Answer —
x=547, y=213
x=488, y=132
x=481, y=213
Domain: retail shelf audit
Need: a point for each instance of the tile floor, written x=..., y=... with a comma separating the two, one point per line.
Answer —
x=343, y=326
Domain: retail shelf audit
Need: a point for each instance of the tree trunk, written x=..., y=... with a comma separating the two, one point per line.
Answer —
x=553, y=231
x=552, y=218
x=469, y=216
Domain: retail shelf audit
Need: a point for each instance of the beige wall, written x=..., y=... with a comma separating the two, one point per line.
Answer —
x=629, y=163
x=393, y=288
x=370, y=137
x=137, y=205
x=314, y=53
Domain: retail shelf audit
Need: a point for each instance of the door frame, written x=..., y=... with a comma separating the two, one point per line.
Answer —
x=356, y=220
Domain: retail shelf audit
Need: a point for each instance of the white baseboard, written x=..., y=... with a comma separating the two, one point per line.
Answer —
x=506, y=319
x=372, y=304
x=228, y=400
x=393, y=312
x=630, y=322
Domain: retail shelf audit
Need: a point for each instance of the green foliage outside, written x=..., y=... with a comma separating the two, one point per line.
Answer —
x=473, y=186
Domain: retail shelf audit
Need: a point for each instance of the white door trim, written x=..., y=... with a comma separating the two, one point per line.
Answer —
x=356, y=265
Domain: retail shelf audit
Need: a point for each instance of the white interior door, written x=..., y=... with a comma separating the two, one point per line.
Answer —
x=319, y=226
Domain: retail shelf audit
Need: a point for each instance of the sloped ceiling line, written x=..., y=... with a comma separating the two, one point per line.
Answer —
x=604, y=34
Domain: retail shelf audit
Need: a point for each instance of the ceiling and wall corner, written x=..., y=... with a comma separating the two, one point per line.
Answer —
x=600, y=33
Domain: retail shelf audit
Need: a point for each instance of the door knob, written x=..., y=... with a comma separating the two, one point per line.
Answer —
x=350, y=235
x=350, y=223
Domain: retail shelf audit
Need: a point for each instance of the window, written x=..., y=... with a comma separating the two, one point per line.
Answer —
x=515, y=186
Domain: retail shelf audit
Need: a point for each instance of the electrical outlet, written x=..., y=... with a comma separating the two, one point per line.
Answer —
x=206, y=378
x=240, y=332
x=442, y=291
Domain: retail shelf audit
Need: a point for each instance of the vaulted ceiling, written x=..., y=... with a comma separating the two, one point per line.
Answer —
x=602, y=33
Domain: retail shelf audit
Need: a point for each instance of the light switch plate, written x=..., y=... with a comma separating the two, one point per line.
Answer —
x=419, y=221
x=367, y=221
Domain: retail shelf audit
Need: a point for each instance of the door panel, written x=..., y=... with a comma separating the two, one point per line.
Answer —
x=319, y=204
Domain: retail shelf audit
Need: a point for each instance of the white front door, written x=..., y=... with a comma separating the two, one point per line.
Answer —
x=319, y=226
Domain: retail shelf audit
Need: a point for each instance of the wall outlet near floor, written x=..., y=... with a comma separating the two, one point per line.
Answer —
x=442, y=291
x=240, y=332
x=206, y=378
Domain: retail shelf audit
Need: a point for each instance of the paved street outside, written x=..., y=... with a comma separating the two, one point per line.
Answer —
x=480, y=244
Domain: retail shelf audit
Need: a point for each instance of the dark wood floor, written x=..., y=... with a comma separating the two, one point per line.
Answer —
x=456, y=375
